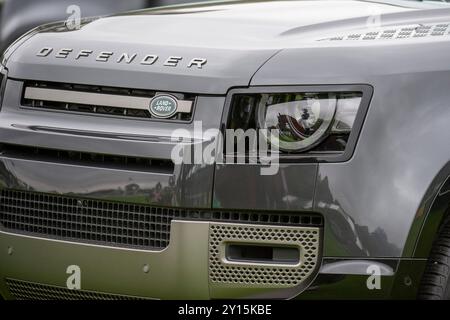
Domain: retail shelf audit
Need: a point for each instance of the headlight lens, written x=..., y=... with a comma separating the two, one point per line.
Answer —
x=306, y=121
x=301, y=120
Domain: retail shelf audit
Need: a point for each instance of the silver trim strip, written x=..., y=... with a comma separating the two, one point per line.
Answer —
x=355, y=267
x=97, y=99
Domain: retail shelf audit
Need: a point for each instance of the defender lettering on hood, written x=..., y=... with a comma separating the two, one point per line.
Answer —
x=107, y=56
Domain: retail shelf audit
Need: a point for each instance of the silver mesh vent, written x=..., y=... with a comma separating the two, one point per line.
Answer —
x=417, y=31
x=24, y=290
x=222, y=271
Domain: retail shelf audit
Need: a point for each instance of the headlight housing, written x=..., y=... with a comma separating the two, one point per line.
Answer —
x=3, y=77
x=309, y=121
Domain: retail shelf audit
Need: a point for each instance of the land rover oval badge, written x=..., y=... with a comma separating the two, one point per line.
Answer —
x=163, y=106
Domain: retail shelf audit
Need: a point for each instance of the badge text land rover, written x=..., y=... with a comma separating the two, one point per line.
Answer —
x=352, y=99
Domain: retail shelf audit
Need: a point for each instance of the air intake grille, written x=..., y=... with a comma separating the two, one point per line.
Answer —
x=417, y=31
x=258, y=274
x=115, y=223
x=111, y=101
x=24, y=290
x=87, y=158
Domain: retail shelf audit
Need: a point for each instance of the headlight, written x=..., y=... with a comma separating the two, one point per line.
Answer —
x=302, y=120
x=306, y=122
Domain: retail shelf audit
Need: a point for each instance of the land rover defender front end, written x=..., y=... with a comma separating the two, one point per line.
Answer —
x=220, y=150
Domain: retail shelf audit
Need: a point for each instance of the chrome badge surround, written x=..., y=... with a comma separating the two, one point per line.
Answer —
x=163, y=101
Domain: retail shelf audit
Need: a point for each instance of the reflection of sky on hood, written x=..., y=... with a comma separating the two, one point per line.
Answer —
x=254, y=24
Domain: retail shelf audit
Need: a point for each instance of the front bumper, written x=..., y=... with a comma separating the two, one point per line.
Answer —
x=35, y=268
x=193, y=266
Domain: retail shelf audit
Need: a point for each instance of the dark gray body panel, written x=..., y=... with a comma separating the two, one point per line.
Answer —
x=371, y=199
x=369, y=202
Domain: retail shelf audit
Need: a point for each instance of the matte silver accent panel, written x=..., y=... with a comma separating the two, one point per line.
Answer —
x=178, y=272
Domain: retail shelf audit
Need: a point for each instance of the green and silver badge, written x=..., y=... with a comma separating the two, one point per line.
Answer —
x=163, y=106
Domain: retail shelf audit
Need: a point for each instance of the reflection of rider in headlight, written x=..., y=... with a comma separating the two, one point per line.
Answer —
x=308, y=118
x=301, y=121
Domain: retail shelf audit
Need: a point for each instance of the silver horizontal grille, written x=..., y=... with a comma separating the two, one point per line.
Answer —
x=99, y=100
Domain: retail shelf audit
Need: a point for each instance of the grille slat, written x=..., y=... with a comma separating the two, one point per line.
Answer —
x=116, y=223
